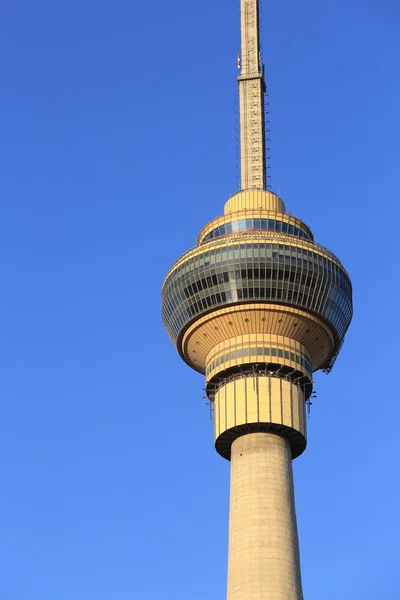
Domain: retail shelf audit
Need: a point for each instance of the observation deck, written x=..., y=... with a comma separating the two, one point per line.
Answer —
x=257, y=296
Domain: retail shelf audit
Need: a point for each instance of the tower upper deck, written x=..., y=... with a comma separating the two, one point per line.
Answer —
x=259, y=256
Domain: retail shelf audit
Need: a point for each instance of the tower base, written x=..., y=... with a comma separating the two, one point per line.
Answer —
x=264, y=560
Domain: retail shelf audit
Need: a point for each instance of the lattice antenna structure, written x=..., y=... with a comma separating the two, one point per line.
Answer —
x=251, y=100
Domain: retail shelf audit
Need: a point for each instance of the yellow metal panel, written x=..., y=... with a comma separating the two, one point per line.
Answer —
x=302, y=414
x=252, y=400
x=222, y=409
x=296, y=408
x=276, y=400
x=286, y=403
x=265, y=415
x=230, y=405
x=303, y=419
x=217, y=424
x=240, y=387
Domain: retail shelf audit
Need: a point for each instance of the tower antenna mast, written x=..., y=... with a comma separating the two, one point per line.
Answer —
x=251, y=99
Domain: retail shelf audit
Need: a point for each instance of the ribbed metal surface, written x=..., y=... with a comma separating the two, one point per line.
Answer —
x=259, y=404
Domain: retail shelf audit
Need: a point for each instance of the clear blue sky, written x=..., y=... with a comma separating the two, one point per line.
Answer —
x=117, y=145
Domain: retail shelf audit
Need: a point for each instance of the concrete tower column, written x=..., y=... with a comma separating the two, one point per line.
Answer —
x=264, y=562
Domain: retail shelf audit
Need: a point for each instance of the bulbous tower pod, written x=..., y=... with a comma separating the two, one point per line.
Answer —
x=257, y=306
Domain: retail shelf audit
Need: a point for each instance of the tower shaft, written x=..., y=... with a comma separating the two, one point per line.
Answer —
x=263, y=541
x=251, y=100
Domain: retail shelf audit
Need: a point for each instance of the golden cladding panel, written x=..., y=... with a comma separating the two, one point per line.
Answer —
x=251, y=214
x=250, y=400
x=263, y=390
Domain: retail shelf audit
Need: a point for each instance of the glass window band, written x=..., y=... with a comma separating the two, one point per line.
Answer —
x=272, y=225
x=257, y=272
x=240, y=353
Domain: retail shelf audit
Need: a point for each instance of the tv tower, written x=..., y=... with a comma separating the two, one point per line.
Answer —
x=257, y=306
